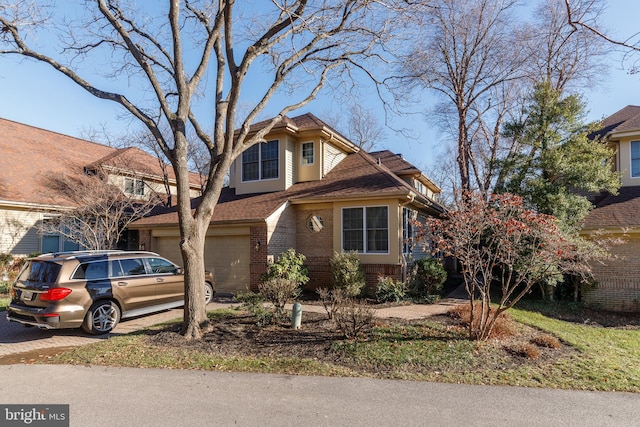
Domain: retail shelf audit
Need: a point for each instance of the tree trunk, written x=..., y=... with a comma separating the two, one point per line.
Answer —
x=192, y=247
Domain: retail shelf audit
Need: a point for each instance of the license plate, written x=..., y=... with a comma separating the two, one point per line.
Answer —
x=26, y=295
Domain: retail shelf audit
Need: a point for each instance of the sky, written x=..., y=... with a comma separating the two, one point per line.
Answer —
x=36, y=95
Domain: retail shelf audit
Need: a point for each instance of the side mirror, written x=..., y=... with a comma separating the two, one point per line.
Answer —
x=179, y=270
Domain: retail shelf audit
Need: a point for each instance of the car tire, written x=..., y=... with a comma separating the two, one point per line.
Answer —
x=209, y=293
x=102, y=318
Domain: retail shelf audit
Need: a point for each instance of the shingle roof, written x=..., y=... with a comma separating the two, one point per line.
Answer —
x=358, y=176
x=618, y=211
x=28, y=154
x=627, y=119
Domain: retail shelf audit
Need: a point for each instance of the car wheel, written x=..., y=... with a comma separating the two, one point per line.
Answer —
x=102, y=318
x=208, y=292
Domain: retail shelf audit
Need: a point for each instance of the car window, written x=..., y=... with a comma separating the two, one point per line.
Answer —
x=92, y=271
x=132, y=267
x=116, y=268
x=161, y=265
x=40, y=271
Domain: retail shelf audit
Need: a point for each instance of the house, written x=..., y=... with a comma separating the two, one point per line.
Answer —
x=29, y=156
x=618, y=280
x=309, y=188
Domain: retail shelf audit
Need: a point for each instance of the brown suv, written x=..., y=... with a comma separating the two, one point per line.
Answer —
x=95, y=289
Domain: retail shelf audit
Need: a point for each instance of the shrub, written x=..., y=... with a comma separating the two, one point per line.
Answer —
x=353, y=319
x=289, y=265
x=388, y=290
x=279, y=291
x=504, y=326
x=332, y=300
x=347, y=273
x=526, y=350
x=428, y=277
x=546, y=340
x=254, y=304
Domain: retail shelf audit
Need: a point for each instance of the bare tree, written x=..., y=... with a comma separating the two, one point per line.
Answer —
x=562, y=54
x=466, y=56
x=577, y=19
x=173, y=50
x=359, y=124
x=101, y=211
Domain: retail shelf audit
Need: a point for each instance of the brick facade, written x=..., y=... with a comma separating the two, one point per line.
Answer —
x=618, y=280
x=258, y=259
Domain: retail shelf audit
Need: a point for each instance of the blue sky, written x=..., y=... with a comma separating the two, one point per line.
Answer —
x=34, y=94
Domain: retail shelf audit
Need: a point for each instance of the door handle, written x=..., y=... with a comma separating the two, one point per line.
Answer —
x=159, y=279
x=122, y=283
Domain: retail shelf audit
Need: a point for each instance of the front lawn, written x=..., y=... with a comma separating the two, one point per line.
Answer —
x=435, y=349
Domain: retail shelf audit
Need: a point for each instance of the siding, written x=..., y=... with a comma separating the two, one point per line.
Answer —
x=281, y=230
x=331, y=156
x=19, y=234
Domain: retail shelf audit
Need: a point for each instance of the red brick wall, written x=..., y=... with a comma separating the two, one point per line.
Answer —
x=618, y=280
x=144, y=238
x=258, y=258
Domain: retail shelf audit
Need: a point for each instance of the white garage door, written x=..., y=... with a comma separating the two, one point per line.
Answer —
x=226, y=256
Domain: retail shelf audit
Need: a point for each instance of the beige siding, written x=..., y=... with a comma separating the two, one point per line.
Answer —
x=290, y=163
x=19, y=233
x=331, y=156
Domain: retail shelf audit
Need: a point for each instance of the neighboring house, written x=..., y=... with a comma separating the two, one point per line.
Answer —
x=618, y=280
x=308, y=188
x=29, y=156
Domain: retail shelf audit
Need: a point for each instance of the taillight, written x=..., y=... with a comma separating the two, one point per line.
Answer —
x=55, y=294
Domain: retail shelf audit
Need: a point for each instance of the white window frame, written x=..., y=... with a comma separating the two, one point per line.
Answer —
x=137, y=186
x=260, y=162
x=304, y=161
x=365, y=230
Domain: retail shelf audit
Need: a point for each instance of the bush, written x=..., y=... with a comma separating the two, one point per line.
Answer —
x=428, y=277
x=388, y=290
x=526, y=350
x=254, y=304
x=279, y=291
x=546, y=340
x=347, y=273
x=332, y=300
x=289, y=265
x=353, y=319
x=504, y=326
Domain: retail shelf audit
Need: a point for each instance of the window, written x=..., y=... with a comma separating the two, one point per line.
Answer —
x=635, y=159
x=408, y=216
x=260, y=161
x=161, y=266
x=365, y=230
x=134, y=186
x=92, y=271
x=307, y=153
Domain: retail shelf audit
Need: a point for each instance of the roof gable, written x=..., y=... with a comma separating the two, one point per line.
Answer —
x=624, y=120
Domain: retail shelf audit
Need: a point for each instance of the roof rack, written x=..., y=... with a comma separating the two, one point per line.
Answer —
x=96, y=252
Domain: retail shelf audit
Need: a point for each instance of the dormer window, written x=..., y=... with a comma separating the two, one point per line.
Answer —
x=419, y=186
x=260, y=161
x=134, y=186
x=635, y=159
x=307, y=153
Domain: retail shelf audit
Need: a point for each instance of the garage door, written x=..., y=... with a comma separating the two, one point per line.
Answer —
x=226, y=256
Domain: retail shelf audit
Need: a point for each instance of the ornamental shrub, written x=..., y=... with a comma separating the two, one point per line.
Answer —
x=389, y=290
x=428, y=277
x=347, y=273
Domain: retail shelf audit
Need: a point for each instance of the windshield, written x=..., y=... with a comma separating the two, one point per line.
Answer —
x=40, y=272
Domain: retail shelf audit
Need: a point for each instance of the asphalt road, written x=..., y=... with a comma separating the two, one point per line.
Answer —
x=100, y=396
